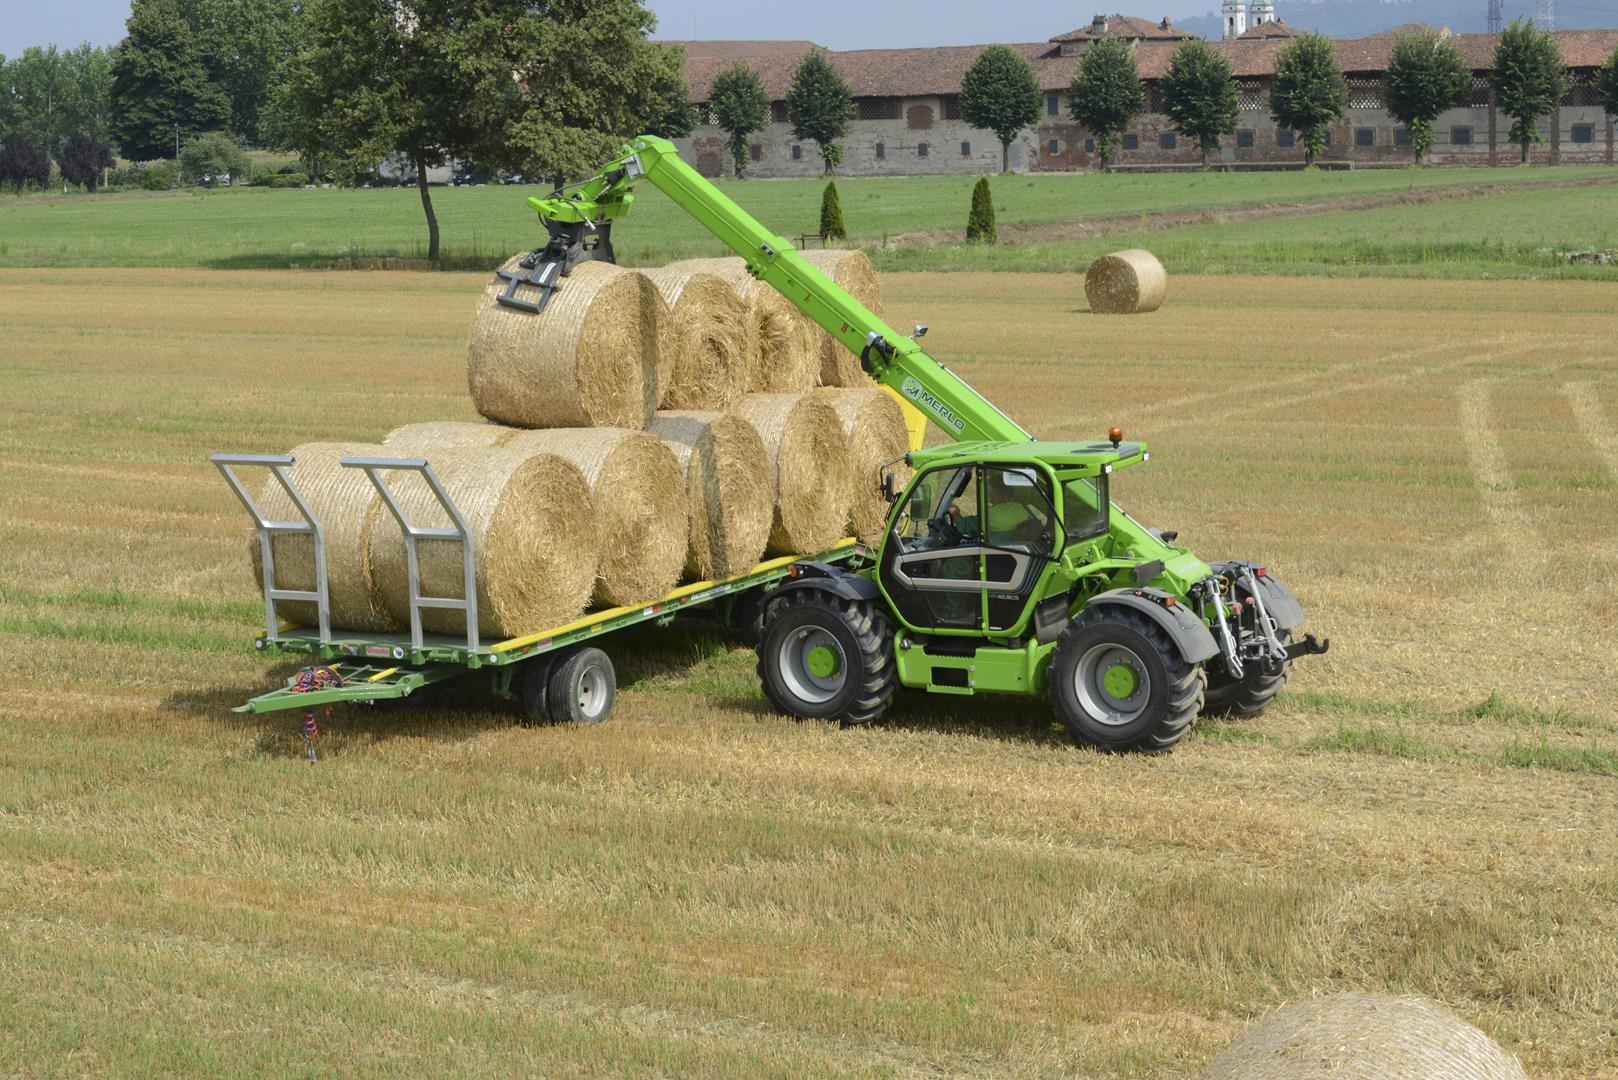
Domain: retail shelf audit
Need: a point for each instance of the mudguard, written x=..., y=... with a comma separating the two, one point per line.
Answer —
x=828, y=578
x=1193, y=639
x=1278, y=599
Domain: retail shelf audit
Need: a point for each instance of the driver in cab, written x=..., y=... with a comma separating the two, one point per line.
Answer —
x=1017, y=514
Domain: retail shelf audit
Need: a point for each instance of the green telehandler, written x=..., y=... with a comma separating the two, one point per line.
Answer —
x=1005, y=567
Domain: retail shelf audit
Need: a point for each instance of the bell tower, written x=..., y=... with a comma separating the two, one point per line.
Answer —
x=1263, y=12
x=1235, y=16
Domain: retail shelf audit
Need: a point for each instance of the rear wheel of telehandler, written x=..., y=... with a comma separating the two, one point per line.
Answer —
x=1118, y=683
x=1248, y=695
x=825, y=658
x=583, y=686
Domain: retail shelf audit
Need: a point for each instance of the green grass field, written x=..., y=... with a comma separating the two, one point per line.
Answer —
x=699, y=887
x=260, y=228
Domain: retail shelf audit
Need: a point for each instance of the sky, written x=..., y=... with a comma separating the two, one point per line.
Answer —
x=837, y=24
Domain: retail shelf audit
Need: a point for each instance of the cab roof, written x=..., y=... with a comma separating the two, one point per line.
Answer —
x=1087, y=458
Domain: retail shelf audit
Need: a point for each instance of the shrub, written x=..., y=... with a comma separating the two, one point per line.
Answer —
x=831, y=214
x=289, y=180
x=980, y=223
x=157, y=175
x=212, y=157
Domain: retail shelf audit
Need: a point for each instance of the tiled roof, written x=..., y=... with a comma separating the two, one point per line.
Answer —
x=1275, y=28
x=1126, y=26
x=741, y=50
x=923, y=72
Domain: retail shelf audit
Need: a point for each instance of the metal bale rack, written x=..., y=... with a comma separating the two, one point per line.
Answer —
x=555, y=673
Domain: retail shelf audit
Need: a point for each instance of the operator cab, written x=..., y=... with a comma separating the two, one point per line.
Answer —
x=970, y=539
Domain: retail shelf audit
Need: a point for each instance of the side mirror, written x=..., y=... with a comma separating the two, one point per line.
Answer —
x=888, y=493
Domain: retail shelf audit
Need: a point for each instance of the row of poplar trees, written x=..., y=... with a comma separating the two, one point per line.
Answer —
x=1426, y=74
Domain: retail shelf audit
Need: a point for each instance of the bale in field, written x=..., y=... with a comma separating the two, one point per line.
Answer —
x=706, y=345
x=1126, y=283
x=638, y=491
x=853, y=273
x=1363, y=1037
x=809, y=469
x=347, y=505
x=423, y=440
x=786, y=348
x=534, y=535
x=874, y=430
x=590, y=360
x=728, y=491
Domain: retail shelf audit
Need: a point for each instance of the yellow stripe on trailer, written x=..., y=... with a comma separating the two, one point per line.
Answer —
x=683, y=591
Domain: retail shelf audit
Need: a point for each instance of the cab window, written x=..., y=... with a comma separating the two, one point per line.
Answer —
x=1084, y=507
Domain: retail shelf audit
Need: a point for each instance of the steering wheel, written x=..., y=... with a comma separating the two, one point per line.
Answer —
x=942, y=531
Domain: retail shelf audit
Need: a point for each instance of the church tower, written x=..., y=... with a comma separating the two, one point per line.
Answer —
x=1235, y=13
x=1263, y=12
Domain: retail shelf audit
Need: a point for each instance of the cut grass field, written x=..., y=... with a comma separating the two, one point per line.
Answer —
x=263, y=228
x=700, y=887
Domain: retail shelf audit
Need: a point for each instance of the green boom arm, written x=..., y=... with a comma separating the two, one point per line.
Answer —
x=893, y=359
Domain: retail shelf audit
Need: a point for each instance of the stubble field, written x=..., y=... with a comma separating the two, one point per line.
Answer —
x=700, y=887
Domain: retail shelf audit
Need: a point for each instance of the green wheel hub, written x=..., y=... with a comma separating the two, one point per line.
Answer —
x=822, y=661
x=1121, y=680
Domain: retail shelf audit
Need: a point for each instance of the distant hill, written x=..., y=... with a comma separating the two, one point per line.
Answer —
x=1360, y=18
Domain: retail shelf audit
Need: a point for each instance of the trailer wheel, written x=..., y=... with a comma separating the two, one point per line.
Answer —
x=533, y=696
x=583, y=686
x=1118, y=683
x=826, y=658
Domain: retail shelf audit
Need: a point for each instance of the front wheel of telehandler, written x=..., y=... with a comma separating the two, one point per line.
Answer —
x=1118, y=683
x=821, y=657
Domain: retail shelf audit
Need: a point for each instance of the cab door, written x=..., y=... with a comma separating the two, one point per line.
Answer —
x=1019, y=536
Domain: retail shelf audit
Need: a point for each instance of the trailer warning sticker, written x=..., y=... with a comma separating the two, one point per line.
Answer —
x=913, y=390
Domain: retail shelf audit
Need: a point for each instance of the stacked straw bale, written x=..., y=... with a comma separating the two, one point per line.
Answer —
x=1364, y=1037
x=346, y=503
x=424, y=440
x=707, y=345
x=1126, y=283
x=809, y=469
x=534, y=537
x=590, y=360
x=785, y=343
x=728, y=489
x=874, y=431
x=637, y=488
x=853, y=272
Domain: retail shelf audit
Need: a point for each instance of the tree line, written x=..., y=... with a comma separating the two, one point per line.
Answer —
x=1426, y=75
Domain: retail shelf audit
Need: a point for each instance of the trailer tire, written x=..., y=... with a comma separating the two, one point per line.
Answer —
x=533, y=696
x=1249, y=695
x=1118, y=683
x=583, y=687
x=822, y=657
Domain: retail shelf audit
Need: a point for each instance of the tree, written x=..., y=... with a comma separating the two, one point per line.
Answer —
x=672, y=114
x=980, y=222
x=1606, y=82
x=1309, y=91
x=22, y=162
x=831, y=214
x=1106, y=93
x=89, y=112
x=161, y=89
x=1529, y=79
x=1426, y=75
x=739, y=107
x=1000, y=94
x=544, y=87
x=1199, y=95
x=819, y=105
x=207, y=158
x=243, y=44
x=82, y=160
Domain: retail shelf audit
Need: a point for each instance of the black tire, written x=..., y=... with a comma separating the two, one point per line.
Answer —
x=857, y=689
x=583, y=687
x=1170, y=689
x=1249, y=695
x=533, y=693
x=747, y=616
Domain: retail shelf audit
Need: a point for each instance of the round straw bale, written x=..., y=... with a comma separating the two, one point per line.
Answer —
x=706, y=345
x=727, y=485
x=638, y=491
x=809, y=467
x=1126, y=283
x=853, y=273
x=1363, y=1037
x=534, y=541
x=346, y=504
x=874, y=430
x=425, y=439
x=786, y=350
x=590, y=359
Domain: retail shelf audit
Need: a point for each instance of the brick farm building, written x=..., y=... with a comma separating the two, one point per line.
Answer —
x=907, y=116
